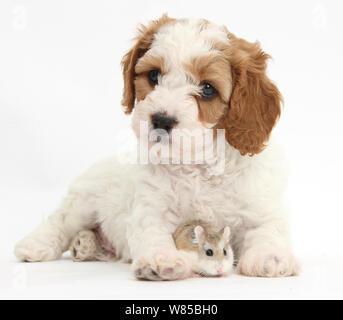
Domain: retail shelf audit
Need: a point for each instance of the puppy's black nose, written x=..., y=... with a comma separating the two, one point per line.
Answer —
x=162, y=121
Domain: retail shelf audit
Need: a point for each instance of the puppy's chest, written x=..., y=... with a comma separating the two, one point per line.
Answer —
x=207, y=199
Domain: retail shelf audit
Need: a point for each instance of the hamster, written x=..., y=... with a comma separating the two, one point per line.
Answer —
x=206, y=248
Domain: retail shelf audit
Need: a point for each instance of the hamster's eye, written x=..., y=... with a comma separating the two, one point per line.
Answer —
x=208, y=91
x=224, y=251
x=153, y=76
x=209, y=252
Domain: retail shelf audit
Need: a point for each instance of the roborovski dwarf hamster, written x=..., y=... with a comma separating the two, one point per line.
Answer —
x=207, y=248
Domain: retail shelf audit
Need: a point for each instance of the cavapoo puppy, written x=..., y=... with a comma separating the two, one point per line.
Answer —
x=184, y=79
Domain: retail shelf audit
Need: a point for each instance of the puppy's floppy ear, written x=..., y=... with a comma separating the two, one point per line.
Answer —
x=255, y=101
x=143, y=42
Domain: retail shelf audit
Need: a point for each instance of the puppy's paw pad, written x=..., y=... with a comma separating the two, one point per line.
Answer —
x=167, y=265
x=83, y=246
x=146, y=272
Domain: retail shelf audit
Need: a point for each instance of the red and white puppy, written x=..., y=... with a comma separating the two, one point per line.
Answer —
x=185, y=74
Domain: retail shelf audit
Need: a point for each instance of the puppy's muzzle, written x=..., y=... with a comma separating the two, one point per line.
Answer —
x=162, y=121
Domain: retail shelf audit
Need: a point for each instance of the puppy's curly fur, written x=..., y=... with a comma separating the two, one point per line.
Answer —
x=138, y=207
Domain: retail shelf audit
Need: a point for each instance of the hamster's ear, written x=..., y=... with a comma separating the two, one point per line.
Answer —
x=199, y=233
x=226, y=233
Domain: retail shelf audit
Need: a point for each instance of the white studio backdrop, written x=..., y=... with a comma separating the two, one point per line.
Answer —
x=60, y=92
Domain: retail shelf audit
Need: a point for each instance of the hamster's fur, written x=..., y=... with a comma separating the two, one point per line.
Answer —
x=208, y=248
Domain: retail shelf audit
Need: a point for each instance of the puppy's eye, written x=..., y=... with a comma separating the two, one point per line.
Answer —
x=153, y=76
x=208, y=91
x=224, y=251
x=209, y=252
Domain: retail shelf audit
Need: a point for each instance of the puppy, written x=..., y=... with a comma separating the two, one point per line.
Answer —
x=185, y=75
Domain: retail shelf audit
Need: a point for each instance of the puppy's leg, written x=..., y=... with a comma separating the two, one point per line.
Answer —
x=152, y=247
x=49, y=240
x=266, y=252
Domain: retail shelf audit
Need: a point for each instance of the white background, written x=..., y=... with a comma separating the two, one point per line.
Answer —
x=60, y=92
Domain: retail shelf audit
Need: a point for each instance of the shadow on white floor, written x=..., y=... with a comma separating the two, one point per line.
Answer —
x=321, y=278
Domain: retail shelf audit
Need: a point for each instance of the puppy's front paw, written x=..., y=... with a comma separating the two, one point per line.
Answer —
x=32, y=249
x=161, y=265
x=262, y=261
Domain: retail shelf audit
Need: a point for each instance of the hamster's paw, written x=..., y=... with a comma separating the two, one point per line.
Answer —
x=34, y=249
x=161, y=265
x=84, y=246
x=268, y=261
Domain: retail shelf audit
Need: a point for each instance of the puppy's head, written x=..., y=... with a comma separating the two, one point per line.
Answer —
x=193, y=74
